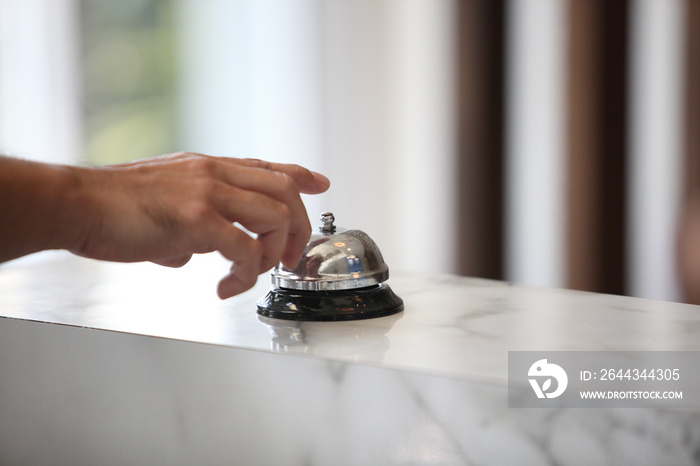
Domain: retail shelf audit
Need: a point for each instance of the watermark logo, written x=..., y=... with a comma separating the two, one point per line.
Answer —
x=541, y=374
x=603, y=379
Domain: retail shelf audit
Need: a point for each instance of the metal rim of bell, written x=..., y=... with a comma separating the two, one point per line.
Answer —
x=293, y=282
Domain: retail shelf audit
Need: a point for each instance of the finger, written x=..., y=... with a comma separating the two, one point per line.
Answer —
x=309, y=182
x=236, y=282
x=267, y=217
x=245, y=253
x=247, y=185
x=177, y=261
x=273, y=244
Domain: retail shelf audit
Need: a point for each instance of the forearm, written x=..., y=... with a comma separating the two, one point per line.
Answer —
x=40, y=208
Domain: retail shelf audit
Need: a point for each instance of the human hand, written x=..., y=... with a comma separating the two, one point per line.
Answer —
x=167, y=208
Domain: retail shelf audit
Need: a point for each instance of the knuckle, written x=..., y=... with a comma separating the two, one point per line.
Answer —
x=264, y=164
x=203, y=187
x=300, y=173
x=287, y=184
x=283, y=212
x=296, y=170
x=255, y=250
x=201, y=164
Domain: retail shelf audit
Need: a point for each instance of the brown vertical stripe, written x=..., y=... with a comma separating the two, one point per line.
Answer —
x=584, y=145
x=689, y=233
x=692, y=92
x=596, y=92
x=480, y=125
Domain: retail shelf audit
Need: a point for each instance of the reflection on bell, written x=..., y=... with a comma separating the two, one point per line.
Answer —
x=340, y=276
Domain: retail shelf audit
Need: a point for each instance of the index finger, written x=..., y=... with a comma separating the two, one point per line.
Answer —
x=309, y=182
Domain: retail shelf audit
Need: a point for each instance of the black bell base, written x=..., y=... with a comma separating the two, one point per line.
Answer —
x=361, y=303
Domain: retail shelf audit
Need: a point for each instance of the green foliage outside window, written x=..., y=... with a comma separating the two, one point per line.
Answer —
x=128, y=61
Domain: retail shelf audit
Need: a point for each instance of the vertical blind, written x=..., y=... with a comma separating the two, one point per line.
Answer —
x=599, y=117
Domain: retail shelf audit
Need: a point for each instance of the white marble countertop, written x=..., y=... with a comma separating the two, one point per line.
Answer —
x=452, y=326
x=426, y=386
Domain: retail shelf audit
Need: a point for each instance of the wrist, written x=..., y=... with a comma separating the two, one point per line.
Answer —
x=42, y=207
x=76, y=212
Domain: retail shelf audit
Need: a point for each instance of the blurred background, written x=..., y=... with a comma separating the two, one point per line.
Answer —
x=544, y=142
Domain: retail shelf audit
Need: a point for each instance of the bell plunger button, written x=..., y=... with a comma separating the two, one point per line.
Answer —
x=327, y=219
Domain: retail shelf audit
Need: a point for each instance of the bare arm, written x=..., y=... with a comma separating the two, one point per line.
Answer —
x=163, y=210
